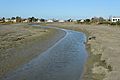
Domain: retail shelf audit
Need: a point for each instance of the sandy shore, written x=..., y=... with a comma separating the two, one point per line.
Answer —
x=21, y=43
x=104, y=51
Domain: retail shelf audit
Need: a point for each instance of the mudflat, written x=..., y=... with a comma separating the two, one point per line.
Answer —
x=19, y=43
x=104, y=51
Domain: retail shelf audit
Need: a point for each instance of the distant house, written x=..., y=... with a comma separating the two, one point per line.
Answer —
x=1, y=20
x=74, y=20
x=50, y=21
x=115, y=19
x=38, y=21
x=6, y=20
x=14, y=20
x=82, y=20
x=61, y=21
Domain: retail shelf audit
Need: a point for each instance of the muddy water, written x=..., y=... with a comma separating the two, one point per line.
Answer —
x=63, y=61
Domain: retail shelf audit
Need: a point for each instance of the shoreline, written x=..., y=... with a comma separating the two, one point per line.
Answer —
x=25, y=51
x=101, y=63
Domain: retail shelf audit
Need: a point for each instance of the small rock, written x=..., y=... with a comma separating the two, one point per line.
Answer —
x=99, y=70
x=92, y=38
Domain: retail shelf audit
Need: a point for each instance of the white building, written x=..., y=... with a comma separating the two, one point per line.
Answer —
x=6, y=20
x=82, y=20
x=115, y=19
x=61, y=21
x=50, y=21
x=38, y=21
x=74, y=20
x=14, y=20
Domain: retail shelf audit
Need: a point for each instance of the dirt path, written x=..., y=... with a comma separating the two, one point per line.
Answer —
x=104, y=58
x=21, y=43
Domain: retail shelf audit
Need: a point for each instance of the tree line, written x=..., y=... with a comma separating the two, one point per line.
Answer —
x=19, y=19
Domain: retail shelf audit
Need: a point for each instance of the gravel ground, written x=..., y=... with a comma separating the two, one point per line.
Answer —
x=104, y=51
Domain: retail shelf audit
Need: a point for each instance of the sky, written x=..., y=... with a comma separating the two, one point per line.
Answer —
x=59, y=9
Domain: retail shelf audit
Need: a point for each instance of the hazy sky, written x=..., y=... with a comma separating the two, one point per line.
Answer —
x=60, y=9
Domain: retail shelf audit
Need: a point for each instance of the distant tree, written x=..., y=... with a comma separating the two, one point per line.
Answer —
x=30, y=19
x=69, y=20
x=42, y=20
x=18, y=19
x=95, y=19
x=101, y=19
x=8, y=19
x=110, y=17
x=36, y=19
x=78, y=21
x=33, y=19
x=13, y=18
x=87, y=20
x=118, y=22
x=3, y=19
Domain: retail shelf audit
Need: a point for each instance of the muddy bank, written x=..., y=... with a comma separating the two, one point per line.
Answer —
x=21, y=43
x=103, y=61
x=63, y=61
